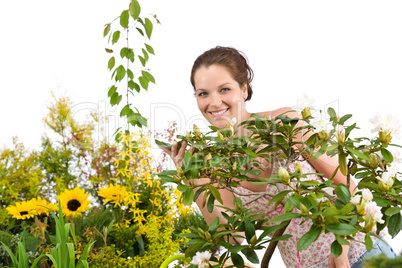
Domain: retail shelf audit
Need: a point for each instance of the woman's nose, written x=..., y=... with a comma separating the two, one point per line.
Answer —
x=215, y=100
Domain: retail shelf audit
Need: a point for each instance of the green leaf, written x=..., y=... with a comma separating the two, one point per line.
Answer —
x=143, y=61
x=215, y=192
x=148, y=76
x=111, y=91
x=357, y=153
x=251, y=255
x=145, y=53
x=392, y=210
x=111, y=63
x=388, y=157
x=343, y=193
x=214, y=225
x=210, y=203
x=143, y=82
x=130, y=74
x=250, y=152
x=130, y=54
x=148, y=27
x=249, y=229
x=106, y=30
x=126, y=110
x=131, y=85
x=150, y=49
x=368, y=242
x=135, y=9
x=115, y=99
x=124, y=52
x=332, y=114
x=308, y=238
x=124, y=18
x=120, y=73
x=342, y=163
x=116, y=36
x=341, y=228
x=188, y=196
x=336, y=249
x=237, y=260
x=285, y=217
x=395, y=224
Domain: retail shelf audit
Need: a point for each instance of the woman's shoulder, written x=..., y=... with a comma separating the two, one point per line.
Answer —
x=270, y=114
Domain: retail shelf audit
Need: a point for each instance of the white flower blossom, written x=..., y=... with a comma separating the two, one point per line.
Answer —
x=374, y=211
x=233, y=121
x=385, y=177
x=322, y=199
x=355, y=200
x=321, y=124
x=201, y=259
x=385, y=123
x=393, y=169
x=367, y=195
x=302, y=103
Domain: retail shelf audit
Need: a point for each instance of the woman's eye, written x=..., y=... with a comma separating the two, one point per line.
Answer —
x=225, y=89
x=202, y=94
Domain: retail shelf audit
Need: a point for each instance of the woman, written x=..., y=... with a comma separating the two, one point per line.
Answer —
x=221, y=78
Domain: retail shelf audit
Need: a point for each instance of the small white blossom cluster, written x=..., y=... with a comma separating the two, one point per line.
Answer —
x=321, y=123
x=302, y=103
x=201, y=259
x=385, y=123
x=372, y=210
x=367, y=208
x=387, y=127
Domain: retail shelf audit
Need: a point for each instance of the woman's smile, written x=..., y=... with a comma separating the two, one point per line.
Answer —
x=219, y=112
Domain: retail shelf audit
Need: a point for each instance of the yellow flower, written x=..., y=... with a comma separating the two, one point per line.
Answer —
x=114, y=194
x=74, y=202
x=41, y=206
x=22, y=211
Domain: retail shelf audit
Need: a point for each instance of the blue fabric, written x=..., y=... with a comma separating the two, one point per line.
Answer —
x=379, y=247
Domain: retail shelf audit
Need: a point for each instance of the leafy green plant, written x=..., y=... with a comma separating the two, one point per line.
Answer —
x=123, y=59
x=20, y=259
x=227, y=159
x=62, y=254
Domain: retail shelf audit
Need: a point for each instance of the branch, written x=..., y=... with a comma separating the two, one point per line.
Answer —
x=271, y=247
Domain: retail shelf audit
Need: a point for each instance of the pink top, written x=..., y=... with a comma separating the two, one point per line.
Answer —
x=316, y=255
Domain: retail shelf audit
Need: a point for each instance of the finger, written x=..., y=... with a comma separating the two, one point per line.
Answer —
x=192, y=149
x=183, y=147
x=174, y=148
x=166, y=150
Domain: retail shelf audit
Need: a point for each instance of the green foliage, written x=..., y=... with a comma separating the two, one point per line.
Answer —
x=127, y=73
x=227, y=159
x=20, y=176
x=20, y=259
x=382, y=261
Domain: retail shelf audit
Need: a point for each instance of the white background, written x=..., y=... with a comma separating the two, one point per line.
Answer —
x=346, y=54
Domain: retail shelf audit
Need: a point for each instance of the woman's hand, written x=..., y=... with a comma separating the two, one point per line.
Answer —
x=342, y=261
x=176, y=155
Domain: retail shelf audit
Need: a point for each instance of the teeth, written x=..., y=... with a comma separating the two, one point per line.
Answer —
x=218, y=113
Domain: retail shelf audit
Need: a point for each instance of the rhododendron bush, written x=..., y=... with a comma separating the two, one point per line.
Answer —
x=227, y=159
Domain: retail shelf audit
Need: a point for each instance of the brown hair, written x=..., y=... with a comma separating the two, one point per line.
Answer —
x=233, y=60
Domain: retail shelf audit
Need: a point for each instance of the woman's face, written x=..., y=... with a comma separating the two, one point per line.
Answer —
x=219, y=96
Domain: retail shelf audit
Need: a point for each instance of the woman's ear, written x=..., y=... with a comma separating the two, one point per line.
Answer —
x=244, y=91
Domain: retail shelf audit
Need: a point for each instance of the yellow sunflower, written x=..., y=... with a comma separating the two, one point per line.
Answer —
x=41, y=206
x=74, y=202
x=114, y=194
x=22, y=211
